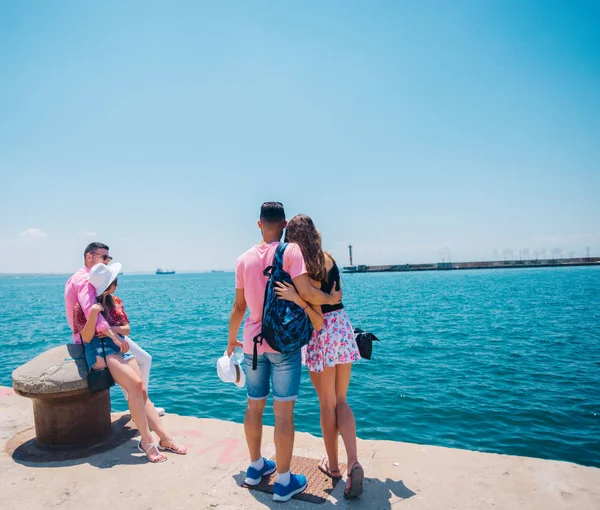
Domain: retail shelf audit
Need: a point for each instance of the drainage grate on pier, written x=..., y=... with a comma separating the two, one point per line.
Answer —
x=319, y=487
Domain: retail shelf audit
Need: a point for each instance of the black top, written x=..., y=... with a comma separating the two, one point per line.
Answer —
x=333, y=277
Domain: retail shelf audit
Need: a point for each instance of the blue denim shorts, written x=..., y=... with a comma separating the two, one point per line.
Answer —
x=284, y=370
x=93, y=350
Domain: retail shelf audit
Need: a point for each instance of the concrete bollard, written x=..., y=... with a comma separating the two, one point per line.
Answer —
x=66, y=414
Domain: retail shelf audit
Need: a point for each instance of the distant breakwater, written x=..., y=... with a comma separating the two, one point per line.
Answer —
x=502, y=264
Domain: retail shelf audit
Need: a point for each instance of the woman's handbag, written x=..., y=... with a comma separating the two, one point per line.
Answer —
x=364, y=341
x=98, y=380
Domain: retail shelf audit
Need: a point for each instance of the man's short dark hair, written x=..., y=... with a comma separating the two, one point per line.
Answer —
x=92, y=247
x=272, y=212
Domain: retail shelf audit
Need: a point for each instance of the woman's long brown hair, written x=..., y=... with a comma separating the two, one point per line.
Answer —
x=302, y=231
x=106, y=300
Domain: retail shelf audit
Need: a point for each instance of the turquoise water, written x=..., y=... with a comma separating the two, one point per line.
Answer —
x=503, y=361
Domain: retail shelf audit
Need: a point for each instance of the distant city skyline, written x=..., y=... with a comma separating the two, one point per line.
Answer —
x=417, y=132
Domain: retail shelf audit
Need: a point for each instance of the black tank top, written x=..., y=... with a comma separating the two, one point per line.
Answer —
x=333, y=278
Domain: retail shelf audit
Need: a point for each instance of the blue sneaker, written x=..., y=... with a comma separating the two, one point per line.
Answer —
x=284, y=492
x=253, y=476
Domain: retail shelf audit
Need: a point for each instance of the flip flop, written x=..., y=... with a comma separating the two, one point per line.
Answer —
x=159, y=458
x=324, y=468
x=354, y=485
x=182, y=450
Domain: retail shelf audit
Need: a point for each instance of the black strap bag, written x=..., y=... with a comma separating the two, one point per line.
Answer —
x=98, y=380
x=364, y=341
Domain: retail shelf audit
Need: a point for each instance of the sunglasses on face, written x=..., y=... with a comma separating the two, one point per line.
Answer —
x=103, y=257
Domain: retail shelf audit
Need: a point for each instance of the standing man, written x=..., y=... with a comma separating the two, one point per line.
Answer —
x=79, y=290
x=284, y=370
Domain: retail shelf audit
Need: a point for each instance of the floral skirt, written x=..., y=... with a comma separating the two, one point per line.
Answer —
x=333, y=345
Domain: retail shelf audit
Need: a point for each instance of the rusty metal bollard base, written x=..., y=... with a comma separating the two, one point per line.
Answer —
x=72, y=420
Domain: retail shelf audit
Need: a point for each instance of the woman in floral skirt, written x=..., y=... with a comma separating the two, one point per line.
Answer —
x=329, y=355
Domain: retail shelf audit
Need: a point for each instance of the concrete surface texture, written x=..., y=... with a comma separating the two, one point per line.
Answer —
x=398, y=475
x=57, y=370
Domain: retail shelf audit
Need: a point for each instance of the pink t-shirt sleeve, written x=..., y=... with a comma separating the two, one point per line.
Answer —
x=239, y=273
x=86, y=296
x=293, y=261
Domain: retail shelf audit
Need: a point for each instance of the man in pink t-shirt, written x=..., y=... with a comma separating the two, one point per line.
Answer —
x=282, y=371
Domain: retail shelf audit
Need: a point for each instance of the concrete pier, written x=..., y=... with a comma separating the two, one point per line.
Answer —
x=398, y=475
x=447, y=266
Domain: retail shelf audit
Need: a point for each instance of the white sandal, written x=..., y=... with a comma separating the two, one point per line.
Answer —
x=159, y=458
x=171, y=449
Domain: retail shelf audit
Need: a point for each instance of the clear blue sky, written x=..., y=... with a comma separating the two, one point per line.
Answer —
x=412, y=130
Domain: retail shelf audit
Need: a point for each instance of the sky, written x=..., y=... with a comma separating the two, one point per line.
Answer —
x=415, y=131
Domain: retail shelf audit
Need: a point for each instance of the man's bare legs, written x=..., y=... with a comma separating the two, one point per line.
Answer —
x=282, y=372
x=253, y=426
x=284, y=433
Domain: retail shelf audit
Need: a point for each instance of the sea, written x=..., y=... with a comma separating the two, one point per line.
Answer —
x=504, y=361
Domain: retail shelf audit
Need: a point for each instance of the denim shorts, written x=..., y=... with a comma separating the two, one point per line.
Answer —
x=93, y=350
x=284, y=370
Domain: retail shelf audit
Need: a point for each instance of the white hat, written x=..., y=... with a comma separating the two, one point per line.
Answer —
x=230, y=372
x=101, y=276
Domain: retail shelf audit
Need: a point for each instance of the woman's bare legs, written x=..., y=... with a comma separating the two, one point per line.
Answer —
x=325, y=384
x=345, y=417
x=126, y=376
x=154, y=421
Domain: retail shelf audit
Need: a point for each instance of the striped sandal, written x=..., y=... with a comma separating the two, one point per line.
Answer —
x=334, y=474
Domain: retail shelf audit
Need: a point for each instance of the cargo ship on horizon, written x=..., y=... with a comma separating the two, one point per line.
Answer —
x=165, y=271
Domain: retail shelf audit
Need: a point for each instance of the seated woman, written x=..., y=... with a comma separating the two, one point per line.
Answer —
x=122, y=365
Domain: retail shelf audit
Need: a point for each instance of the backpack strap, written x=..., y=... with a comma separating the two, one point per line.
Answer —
x=278, y=259
x=258, y=338
x=268, y=272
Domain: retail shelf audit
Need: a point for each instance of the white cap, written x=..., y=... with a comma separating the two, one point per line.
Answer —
x=101, y=276
x=230, y=372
